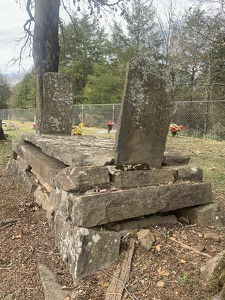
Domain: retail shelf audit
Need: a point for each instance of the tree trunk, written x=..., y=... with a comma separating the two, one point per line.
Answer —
x=45, y=48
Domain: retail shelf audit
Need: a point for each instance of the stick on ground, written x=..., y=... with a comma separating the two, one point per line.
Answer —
x=190, y=248
x=121, y=274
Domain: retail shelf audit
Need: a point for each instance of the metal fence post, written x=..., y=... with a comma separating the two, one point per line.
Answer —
x=113, y=114
x=82, y=114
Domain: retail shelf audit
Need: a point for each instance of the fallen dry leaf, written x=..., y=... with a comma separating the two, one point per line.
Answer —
x=182, y=261
x=163, y=273
x=158, y=248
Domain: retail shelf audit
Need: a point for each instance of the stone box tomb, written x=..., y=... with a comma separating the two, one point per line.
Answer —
x=89, y=198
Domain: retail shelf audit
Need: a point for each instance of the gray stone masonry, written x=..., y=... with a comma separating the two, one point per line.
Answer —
x=204, y=215
x=74, y=150
x=87, y=199
x=128, y=204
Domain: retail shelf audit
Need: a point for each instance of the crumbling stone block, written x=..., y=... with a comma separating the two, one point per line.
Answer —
x=205, y=215
x=82, y=179
x=85, y=250
x=130, y=179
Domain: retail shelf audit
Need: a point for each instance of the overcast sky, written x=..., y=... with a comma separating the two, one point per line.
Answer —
x=12, y=18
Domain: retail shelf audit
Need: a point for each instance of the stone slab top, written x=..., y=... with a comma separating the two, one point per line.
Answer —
x=74, y=150
x=77, y=150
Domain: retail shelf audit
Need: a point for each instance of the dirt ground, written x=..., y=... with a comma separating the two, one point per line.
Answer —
x=167, y=271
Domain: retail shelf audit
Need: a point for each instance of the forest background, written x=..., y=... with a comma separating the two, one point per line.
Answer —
x=191, y=42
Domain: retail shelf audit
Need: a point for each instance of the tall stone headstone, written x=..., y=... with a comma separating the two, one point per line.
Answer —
x=57, y=104
x=145, y=115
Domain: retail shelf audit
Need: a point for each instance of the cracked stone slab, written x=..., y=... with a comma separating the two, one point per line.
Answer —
x=44, y=165
x=74, y=150
x=165, y=175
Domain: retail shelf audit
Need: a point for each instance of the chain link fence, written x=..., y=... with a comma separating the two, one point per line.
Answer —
x=96, y=115
x=200, y=119
x=18, y=114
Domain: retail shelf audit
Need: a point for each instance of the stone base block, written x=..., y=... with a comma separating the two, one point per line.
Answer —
x=165, y=175
x=204, y=215
x=132, y=203
x=85, y=251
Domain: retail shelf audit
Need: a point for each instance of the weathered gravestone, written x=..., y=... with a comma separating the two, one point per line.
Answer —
x=57, y=104
x=2, y=135
x=145, y=115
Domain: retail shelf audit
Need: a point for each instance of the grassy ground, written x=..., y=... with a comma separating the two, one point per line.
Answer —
x=14, y=132
x=205, y=153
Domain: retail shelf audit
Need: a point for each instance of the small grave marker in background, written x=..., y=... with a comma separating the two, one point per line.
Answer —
x=57, y=104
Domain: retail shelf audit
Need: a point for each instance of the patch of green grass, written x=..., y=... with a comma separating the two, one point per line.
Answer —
x=206, y=154
x=13, y=134
x=9, y=207
x=183, y=280
x=4, y=295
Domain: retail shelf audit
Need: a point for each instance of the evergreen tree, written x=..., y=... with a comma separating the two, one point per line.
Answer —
x=82, y=44
x=105, y=85
x=5, y=92
x=141, y=26
x=24, y=93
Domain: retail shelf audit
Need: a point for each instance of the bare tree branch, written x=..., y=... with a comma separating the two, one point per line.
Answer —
x=30, y=20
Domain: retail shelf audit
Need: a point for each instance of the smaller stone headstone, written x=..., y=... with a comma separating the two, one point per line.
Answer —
x=57, y=104
x=145, y=115
x=2, y=135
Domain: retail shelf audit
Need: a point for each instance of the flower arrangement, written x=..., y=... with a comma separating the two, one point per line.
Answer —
x=174, y=129
x=110, y=125
x=11, y=126
x=77, y=130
